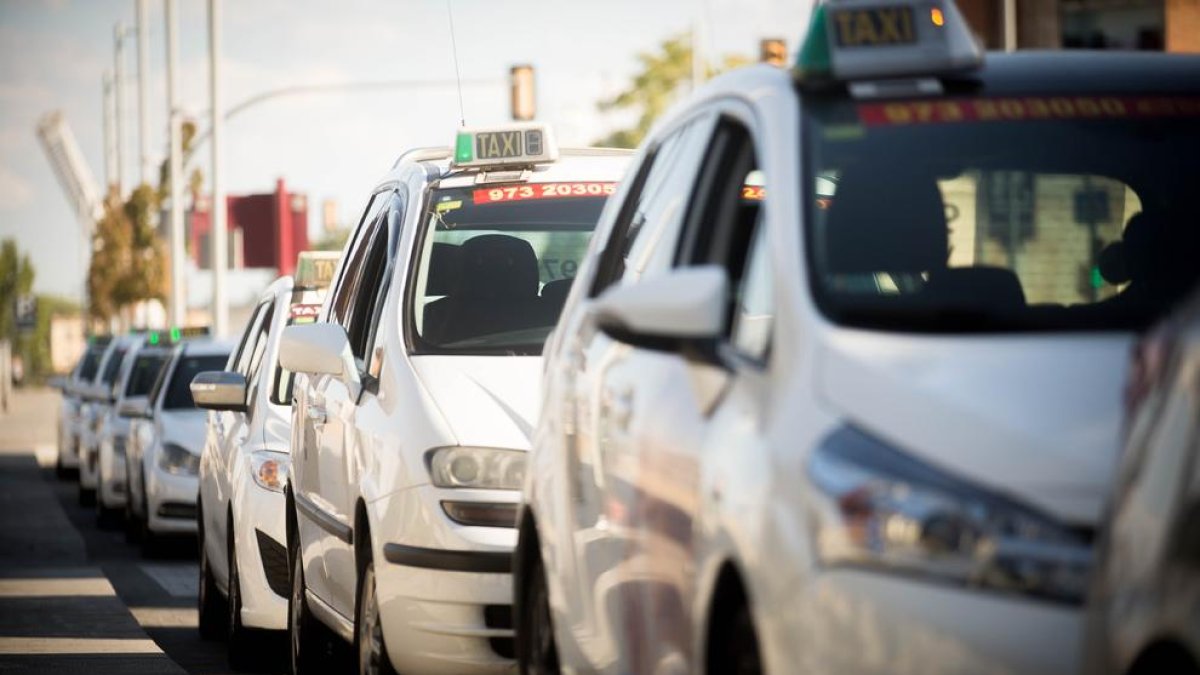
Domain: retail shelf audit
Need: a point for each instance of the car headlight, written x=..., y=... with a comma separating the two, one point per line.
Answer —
x=175, y=459
x=461, y=466
x=270, y=469
x=879, y=508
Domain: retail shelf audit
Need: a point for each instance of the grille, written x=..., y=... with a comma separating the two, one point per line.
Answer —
x=500, y=616
x=275, y=563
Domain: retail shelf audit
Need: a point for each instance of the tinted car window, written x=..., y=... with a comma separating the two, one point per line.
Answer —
x=91, y=363
x=112, y=367
x=144, y=373
x=1027, y=214
x=179, y=393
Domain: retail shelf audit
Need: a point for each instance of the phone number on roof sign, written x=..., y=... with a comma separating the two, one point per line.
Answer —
x=514, y=193
x=1027, y=109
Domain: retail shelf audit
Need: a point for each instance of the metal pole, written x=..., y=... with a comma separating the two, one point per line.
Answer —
x=143, y=75
x=178, y=254
x=119, y=96
x=1010, y=25
x=220, y=303
x=110, y=170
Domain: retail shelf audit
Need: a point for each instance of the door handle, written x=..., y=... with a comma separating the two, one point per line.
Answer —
x=317, y=415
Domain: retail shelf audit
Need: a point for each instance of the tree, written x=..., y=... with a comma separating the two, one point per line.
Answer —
x=128, y=258
x=657, y=86
x=16, y=279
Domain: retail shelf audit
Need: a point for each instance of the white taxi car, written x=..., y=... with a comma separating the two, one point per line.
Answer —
x=143, y=361
x=244, y=465
x=70, y=408
x=411, y=423
x=98, y=399
x=165, y=440
x=838, y=387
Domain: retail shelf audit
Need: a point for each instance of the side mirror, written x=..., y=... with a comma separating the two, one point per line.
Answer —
x=219, y=390
x=58, y=382
x=682, y=310
x=134, y=410
x=317, y=348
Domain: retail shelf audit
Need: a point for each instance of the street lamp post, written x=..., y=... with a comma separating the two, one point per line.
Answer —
x=220, y=306
x=119, y=97
x=143, y=75
x=178, y=254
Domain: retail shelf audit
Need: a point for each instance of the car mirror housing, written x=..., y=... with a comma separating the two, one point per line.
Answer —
x=684, y=307
x=317, y=348
x=133, y=410
x=219, y=390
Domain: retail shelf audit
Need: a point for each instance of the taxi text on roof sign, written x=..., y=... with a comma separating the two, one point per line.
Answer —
x=314, y=269
x=511, y=145
x=873, y=39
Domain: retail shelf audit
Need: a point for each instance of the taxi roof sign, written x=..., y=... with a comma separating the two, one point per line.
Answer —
x=509, y=145
x=314, y=269
x=870, y=39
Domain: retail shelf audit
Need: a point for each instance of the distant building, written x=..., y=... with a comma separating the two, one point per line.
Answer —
x=67, y=341
x=265, y=230
x=1154, y=25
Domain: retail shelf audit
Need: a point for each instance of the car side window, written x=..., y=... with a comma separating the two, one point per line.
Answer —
x=260, y=347
x=727, y=230
x=362, y=312
x=343, y=292
x=394, y=223
x=240, y=362
x=655, y=208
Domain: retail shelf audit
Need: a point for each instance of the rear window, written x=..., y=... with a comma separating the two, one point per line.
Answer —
x=145, y=371
x=90, y=364
x=979, y=214
x=179, y=392
x=496, y=264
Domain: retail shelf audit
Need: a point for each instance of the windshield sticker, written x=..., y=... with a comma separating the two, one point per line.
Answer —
x=900, y=113
x=449, y=206
x=515, y=193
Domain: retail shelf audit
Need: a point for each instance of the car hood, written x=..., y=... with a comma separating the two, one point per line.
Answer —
x=489, y=401
x=184, y=428
x=1036, y=417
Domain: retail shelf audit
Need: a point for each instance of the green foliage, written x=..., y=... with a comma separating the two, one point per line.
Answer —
x=128, y=257
x=16, y=278
x=658, y=84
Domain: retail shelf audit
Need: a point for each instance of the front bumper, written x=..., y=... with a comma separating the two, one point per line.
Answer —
x=864, y=622
x=445, y=590
x=171, y=502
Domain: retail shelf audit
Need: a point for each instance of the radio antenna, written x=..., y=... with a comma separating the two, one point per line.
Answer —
x=462, y=115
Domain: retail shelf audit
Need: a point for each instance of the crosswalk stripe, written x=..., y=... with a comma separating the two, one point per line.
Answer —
x=51, y=588
x=44, y=645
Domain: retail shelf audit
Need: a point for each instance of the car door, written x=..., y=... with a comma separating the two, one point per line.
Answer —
x=320, y=430
x=342, y=459
x=640, y=243
x=225, y=430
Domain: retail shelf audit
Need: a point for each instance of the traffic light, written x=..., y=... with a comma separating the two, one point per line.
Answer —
x=772, y=51
x=524, y=100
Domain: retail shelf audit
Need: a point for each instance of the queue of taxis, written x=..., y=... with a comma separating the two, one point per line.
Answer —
x=838, y=388
x=416, y=393
x=244, y=465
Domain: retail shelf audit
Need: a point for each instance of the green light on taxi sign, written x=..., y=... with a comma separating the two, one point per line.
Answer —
x=176, y=334
x=464, y=148
x=1097, y=278
x=814, y=58
x=152, y=338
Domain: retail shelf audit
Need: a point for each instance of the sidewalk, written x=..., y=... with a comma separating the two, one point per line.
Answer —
x=57, y=612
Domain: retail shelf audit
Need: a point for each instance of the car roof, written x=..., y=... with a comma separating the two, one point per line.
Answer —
x=1086, y=71
x=572, y=164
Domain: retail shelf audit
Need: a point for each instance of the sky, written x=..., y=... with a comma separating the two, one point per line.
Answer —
x=330, y=146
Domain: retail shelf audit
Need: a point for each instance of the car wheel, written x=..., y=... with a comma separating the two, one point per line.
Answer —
x=212, y=613
x=368, y=629
x=60, y=471
x=106, y=518
x=536, y=650
x=738, y=655
x=132, y=529
x=86, y=497
x=239, y=640
x=307, y=639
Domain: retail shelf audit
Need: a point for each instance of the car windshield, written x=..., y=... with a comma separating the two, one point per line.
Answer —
x=90, y=364
x=179, y=392
x=112, y=366
x=1019, y=214
x=496, y=264
x=144, y=373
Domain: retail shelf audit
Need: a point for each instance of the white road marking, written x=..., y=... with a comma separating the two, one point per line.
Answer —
x=180, y=581
x=53, y=588
x=165, y=617
x=72, y=645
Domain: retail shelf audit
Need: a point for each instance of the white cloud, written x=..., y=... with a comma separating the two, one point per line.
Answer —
x=15, y=191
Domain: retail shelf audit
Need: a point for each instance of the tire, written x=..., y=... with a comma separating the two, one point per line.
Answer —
x=212, y=611
x=86, y=497
x=738, y=655
x=537, y=654
x=133, y=531
x=239, y=640
x=106, y=518
x=369, y=645
x=308, y=640
x=60, y=471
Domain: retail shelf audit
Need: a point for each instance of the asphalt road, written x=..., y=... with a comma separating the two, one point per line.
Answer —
x=75, y=597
